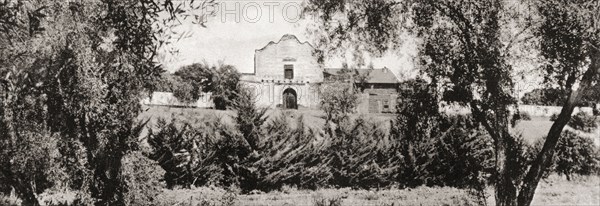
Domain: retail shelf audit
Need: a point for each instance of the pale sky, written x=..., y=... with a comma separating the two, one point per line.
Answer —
x=239, y=27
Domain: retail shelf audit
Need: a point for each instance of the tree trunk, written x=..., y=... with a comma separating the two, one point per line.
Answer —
x=109, y=190
x=28, y=196
x=507, y=166
x=506, y=190
x=544, y=158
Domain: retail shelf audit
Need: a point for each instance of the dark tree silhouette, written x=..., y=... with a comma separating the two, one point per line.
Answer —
x=221, y=81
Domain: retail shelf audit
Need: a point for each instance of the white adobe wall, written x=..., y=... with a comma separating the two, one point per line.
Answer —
x=269, y=94
x=168, y=99
x=269, y=61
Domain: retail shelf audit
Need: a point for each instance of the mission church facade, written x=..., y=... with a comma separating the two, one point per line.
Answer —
x=287, y=75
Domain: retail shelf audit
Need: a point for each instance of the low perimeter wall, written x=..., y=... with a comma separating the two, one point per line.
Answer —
x=533, y=110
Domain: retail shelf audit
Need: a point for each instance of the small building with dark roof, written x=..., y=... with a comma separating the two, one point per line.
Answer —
x=379, y=88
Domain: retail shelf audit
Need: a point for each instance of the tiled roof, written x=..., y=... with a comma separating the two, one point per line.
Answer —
x=380, y=76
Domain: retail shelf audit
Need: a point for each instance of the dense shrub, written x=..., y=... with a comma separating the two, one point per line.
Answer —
x=356, y=153
x=143, y=179
x=249, y=118
x=461, y=157
x=353, y=152
x=187, y=154
x=211, y=152
x=30, y=164
x=286, y=156
x=359, y=154
x=575, y=155
x=583, y=122
x=437, y=149
x=414, y=130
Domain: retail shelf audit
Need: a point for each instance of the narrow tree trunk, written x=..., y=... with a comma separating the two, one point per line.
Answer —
x=544, y=158
x=107, y=177
x=506, y=163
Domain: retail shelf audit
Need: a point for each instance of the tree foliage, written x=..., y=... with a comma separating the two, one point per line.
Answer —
x=72, y=75
x=467, y=49
x=557, y=97
x=340, y=94
x=221, y=81
x=545, y=97
x=436, y=148
x=338, y=100
x=249, y=118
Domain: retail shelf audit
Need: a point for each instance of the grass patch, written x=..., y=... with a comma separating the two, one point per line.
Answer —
x=556, y=190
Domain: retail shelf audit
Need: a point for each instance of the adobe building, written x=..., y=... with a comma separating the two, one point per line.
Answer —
x=287, y=75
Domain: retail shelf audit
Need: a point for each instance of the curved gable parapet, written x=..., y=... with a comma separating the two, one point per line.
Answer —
x=284, y=38
x=289, y=52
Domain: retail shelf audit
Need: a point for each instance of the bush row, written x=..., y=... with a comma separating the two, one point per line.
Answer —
x=355, y=153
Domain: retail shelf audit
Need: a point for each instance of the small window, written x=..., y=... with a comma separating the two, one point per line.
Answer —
x=288, y=71
x=386, y=104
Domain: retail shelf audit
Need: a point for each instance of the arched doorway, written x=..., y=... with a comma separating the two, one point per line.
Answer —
x=290, y=99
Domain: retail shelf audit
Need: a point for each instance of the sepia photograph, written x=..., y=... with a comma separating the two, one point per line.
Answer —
x=299, y=102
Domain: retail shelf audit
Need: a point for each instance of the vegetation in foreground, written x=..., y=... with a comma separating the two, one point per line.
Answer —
x=555, y=190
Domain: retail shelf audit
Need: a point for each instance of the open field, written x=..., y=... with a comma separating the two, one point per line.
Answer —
x=538, y=127
x=312, y=118
x=531, y=130
x=558, y=191
x=553, y=191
